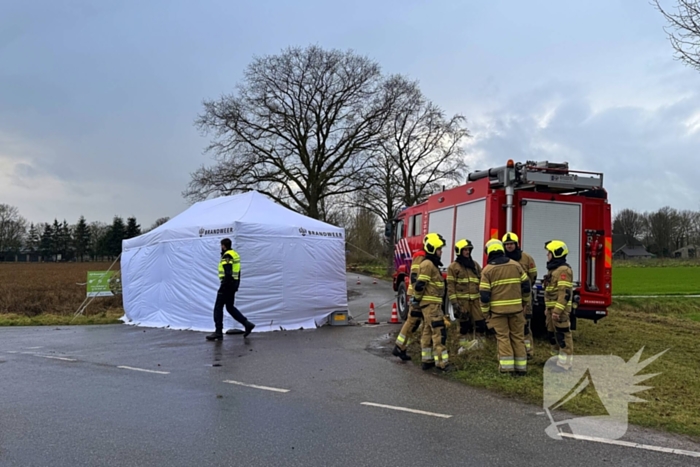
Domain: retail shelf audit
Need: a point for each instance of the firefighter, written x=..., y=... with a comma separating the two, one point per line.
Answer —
x=513, y=251
x=429, y=291
x=558, y=296
x=503, y=290
x=463, y=292
x=230, y=279
x=415, y=316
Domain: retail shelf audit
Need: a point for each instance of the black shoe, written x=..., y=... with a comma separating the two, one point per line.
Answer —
x=248, y=328
x=518, y=374
x=400, y=353
x=233, y=331
x=428, y=366
x=215, y=336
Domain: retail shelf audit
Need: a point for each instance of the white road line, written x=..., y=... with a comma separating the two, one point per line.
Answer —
x=407, y=410
x=256, y=386
x=144, y=370
x=58, y=358
x=33, y=348
x=12, y=351
x=648, y=447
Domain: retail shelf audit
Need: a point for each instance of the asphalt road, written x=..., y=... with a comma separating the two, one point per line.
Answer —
x=76, y=396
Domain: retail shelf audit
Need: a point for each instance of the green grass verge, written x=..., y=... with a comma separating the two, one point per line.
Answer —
x=673, y=403
x=48, y=319
x=656, y=281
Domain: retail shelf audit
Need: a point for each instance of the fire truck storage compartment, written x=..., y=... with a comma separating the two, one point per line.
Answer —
x=549, y=220
x=471, y=220
x=441, y=222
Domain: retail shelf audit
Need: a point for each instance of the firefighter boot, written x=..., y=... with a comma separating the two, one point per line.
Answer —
x=401, y=353
x=248, y=328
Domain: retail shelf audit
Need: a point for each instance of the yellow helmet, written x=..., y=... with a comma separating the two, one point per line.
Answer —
x=432, y=242
x=462, y=244
x=510, y=237
x=494, y=245
x=557, y=248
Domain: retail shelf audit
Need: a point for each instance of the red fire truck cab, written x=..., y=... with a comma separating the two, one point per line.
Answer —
x=539, y=201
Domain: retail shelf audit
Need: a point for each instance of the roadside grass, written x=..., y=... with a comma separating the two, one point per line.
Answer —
x=374, y=269
x=110, y=316
x=655, y=325
x=676, y=280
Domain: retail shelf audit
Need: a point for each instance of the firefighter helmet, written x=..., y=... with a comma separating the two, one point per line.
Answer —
x=433, y=242
x=557, y=248
x=510, y=237
x=493, y=246
x=462, y=244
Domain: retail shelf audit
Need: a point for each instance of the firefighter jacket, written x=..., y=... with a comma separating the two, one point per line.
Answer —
x=462, y=282
x=415, y=267
x=528, y=264
x=559, y=289
x=430, y=286
x=504, y=286
x=230, y=269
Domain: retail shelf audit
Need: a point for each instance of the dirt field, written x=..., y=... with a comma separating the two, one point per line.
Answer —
x=30, y=289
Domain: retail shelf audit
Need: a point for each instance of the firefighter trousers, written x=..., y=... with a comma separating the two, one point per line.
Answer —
x=434, y=330
x=471, y=322
x=560, y=338
x=409, y=328
x=509, y=328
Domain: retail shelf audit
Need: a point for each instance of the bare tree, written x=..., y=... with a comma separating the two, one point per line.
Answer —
x=629, y=224
x=298, y=130
x=684, y=228
x=421, y=149
x=662, y=226
x=13, y=228
x=685, y=37
x=363, y=239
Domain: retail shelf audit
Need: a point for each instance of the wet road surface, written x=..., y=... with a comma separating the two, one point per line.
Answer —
x=125, y=396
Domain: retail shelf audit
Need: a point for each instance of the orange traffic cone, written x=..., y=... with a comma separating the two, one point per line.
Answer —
x=374, y=281
x=358, y=280
x=394, y=315
x=372, y=317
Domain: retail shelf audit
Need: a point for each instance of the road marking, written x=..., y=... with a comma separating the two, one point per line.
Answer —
x=144, y=370
x=256, y=386
x=648, y=447
x=407, y=410
x=58, y=358
x=33, y=348
x=12, y=351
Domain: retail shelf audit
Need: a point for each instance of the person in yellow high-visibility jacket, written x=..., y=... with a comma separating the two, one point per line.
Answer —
x=230, y=279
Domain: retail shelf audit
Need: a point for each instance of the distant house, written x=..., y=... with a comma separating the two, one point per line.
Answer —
x=688, y=251
x=632, y=250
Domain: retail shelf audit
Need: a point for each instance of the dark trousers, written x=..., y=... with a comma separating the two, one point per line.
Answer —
x=225, y=297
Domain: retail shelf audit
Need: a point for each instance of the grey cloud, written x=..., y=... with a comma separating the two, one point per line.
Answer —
x=648, y=156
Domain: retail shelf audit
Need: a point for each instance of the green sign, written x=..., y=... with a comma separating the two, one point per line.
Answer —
x=103, y=283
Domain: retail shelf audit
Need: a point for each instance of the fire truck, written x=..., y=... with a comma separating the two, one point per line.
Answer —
x=539, y=201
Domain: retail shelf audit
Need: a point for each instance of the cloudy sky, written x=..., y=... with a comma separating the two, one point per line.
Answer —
x=97, y=98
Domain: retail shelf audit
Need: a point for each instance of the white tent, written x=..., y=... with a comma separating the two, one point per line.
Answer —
x=292, y=267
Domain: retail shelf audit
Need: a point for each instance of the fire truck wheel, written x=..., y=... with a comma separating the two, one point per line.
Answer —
x=402, y=301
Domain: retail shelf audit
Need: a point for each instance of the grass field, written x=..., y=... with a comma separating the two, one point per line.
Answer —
x=652, y=324
x=50, y=293
x=676, y=280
